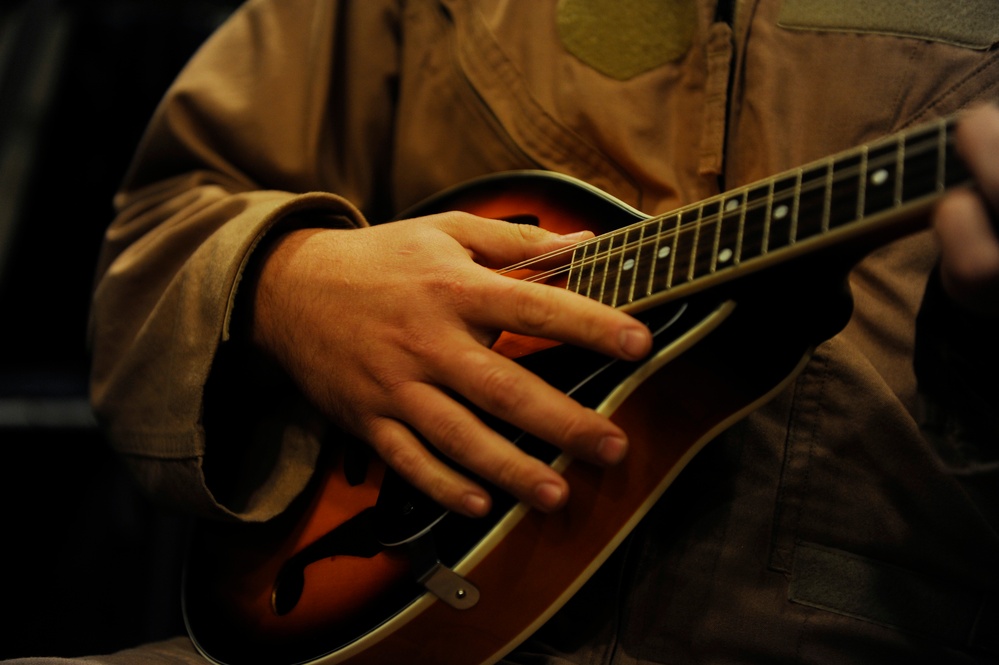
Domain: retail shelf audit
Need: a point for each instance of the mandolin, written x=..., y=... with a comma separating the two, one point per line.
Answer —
x=363, y=569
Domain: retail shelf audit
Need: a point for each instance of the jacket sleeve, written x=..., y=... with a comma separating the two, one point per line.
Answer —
x=268, y=125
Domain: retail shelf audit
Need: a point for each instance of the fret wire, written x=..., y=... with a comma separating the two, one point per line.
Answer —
x=722, y=215
x=793, y=235
x=620, y=268
x=765, y=244
x=638, y=261
x=606, y=262
x=655, y=256
x=697, y=238
x=580, y=249
x=742, y=227
x=827, y=199
x=593, y=267
x=575, y=269
x=609, y=273
x=580, y=265
x=717, y=241
x=672, y=254
x=862, y=183
x=591, y=289
x=899, y=168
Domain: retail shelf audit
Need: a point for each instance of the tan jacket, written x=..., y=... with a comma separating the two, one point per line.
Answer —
x=334, y=113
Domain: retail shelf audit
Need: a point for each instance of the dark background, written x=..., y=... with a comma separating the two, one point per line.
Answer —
x=88, y=564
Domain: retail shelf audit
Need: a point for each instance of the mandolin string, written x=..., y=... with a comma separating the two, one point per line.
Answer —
x=818, y=182
x=915, y=149
x=813, y=184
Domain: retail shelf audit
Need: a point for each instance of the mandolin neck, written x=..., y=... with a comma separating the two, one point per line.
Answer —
x=884, y=186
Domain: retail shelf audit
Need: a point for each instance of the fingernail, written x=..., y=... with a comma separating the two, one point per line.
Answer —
x=632, y=342
x=549, y=496
x=475, y=505
x=611, y=449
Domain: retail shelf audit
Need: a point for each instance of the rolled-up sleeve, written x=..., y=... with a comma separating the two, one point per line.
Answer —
x=266, y=126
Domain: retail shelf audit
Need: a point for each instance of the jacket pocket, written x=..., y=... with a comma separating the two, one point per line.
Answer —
x=969, y=23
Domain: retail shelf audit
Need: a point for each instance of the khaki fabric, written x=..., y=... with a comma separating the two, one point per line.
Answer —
x=971, y=23
x=623, y=38
x=343, y=113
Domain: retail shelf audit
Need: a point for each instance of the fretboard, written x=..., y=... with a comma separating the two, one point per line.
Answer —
x=763, y=224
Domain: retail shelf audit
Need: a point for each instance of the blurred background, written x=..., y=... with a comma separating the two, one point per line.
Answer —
x=88, y=564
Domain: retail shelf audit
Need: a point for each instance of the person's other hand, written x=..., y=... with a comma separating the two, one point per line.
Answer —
x=965, y=219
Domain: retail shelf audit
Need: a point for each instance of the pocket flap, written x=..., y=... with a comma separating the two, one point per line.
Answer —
x=968, y=23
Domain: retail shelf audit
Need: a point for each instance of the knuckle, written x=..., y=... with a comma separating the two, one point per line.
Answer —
x=409, y=458
x=452, y=287
x=458, y=292
x=452, y=218
x=500, y=390
x=418, y=343
x=955, y=205
x=531, y=232
x=453, y=436
x=534, y=309
x=574, y=428
x=511, y=475
x=406, y=457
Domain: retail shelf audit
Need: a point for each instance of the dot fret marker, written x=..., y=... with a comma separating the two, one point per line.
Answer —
x=879, y=177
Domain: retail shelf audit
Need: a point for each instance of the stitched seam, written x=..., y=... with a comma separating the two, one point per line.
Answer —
x=538, y=129
x=900, y=94
x=908, y=23
x=788, y=517
x=930, y=108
